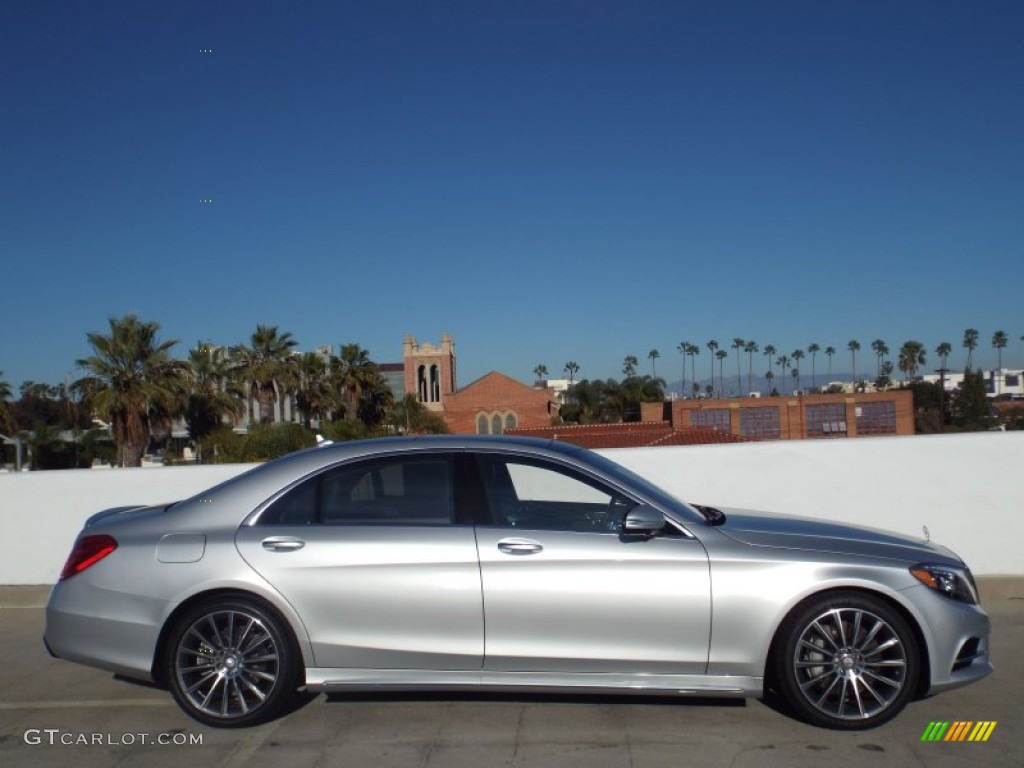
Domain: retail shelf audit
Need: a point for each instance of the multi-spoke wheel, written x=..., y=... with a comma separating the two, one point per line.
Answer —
x=847, y=660
x=230, y=663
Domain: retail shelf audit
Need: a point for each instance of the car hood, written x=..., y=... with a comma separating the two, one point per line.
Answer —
x=763, y=529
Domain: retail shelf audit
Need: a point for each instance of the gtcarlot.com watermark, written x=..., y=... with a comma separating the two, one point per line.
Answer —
x=56, y=737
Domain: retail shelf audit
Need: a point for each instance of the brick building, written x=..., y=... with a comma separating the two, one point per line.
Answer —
x=840, y=415
x=496, y=402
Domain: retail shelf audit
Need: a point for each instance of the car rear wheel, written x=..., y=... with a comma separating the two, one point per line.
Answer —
x=847, y=661
x=231, y=662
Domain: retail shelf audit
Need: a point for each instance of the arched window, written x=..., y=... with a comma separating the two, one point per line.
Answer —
x=496, y=424
x=435, y=385
x=511, y=421
x=421, y=383
x=481, y=424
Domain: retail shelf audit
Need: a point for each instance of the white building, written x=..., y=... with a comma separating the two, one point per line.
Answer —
x=1002, y=381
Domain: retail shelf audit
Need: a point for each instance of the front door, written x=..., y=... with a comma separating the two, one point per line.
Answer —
x=565, y=592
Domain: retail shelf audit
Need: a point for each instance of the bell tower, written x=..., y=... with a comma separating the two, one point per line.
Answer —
x=429, y=370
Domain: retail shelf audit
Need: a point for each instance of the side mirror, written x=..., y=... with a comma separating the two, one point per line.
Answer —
x=643, y=520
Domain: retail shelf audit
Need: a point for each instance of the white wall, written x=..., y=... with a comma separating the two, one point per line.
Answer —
x=968, y=490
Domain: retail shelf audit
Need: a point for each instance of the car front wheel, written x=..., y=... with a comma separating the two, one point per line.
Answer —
x=231, y=663
x=847, y=661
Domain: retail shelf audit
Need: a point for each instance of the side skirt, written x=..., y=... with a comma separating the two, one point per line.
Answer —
x=338, y=680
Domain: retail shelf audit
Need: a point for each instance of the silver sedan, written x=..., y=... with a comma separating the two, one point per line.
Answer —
x=500, y=564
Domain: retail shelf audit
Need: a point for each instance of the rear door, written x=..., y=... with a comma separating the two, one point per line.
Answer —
x=374, y=558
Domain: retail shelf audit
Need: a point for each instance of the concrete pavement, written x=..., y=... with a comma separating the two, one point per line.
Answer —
x=53, y=713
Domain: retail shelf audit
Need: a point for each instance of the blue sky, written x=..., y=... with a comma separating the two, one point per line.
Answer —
x=546, y=181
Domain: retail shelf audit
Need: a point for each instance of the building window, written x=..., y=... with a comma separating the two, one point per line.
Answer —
x=762, y=423
x=482, y=424
x=716, y=418
x=876, y=418
x=511, y=421
x=826, y=420
x=496, y=424
x=435, y=385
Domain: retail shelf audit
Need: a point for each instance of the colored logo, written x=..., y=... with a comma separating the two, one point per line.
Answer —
x=959, y=730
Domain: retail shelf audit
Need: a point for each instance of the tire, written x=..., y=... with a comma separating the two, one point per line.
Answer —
x=847, y=661
x=231, y=662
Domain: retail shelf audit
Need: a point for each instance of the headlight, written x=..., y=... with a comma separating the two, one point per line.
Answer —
x=954, y=583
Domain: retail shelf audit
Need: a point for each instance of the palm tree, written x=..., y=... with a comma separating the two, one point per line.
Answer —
x=912, y=356
x=999, y=341
x=881, y=350
x=769, y=376
x=769, y=352
x=653, y=355
x=798, y=355
x=315, y=397
x=130, y=375
x=783, y=362
x=213, y=393
x=629, y=364
x=854, y=346
x=795, y=373
x=943, y=352
x=263, y=365
x=712, y=346
x=5, y=409
x=683, y=345
x=738, y=344
x=572, y=368
x=353, y=374
x=541, y=372
x=750, y=348
x=830, y=353
x=813, y=349
x=970, y=342
x=721, y=355
x=693, y=350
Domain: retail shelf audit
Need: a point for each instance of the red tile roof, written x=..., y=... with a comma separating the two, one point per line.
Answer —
x=629, y=435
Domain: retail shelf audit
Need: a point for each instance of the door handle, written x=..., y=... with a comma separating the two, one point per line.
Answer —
x=519, y=546
x=282, y=544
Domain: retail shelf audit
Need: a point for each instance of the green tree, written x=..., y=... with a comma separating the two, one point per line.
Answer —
x=783, y=362
x=813, y=350
x=769, y=352
x=263, y=366
x=572, y=368
x=881, y=349
x=213, y=393
x=738, y=344
x=352, y=374
x=970, y=343
x=541, y=372
x=751, y=348
x=712, y=346
x=912, y=356
x=999, y=342
x=5, y=407
x=721, y=355
x=854, y=346
x=830, y=352
x=693, y=350
x=681, y=349
x=798, y=355
x=629, y=365
x=315, y=396
x=129, y=375
x=653, y=355
x=411, y=417
x=970, y=404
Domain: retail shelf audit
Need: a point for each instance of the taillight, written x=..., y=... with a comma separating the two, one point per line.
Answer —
x=88, y=551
